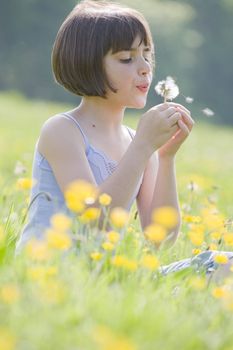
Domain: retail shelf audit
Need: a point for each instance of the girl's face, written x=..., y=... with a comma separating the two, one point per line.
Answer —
x=126, y=70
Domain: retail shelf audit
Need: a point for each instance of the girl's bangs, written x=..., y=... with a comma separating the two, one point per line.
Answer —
x=123, y=33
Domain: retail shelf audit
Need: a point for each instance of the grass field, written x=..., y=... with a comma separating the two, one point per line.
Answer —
x=53, y=300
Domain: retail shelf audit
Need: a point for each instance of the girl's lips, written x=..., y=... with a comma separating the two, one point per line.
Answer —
x=142, y=88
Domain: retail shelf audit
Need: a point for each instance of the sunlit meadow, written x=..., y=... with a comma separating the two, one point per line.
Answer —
x=82, y=288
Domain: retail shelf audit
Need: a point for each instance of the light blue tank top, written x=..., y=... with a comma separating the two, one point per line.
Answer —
x=46, y=198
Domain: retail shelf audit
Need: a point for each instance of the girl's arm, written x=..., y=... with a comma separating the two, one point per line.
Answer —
x=165, y=192
x=158, y=189
x=63, y=147
x=162, y=182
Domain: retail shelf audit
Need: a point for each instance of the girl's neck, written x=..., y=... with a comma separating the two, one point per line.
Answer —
x=97, y=112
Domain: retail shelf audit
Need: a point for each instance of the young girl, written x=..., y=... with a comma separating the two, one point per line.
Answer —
x=104, y=52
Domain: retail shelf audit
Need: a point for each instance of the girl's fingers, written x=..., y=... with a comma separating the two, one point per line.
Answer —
x=169, y=112
x=163, y=106
x=173, y=104
x=187, y=119
x=182, y=109
x=174, y=129
x=183, y=127
x=174, y=118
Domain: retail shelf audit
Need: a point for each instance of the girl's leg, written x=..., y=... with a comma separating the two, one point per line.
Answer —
x=222, y=272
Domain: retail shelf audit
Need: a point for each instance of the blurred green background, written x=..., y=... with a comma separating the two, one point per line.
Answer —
x=193, y=41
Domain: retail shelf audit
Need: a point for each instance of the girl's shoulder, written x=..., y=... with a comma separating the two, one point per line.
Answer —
x=56, y=120
x=58, y=131
x=58, y=125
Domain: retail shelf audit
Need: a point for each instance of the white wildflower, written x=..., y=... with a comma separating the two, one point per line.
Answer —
x=186, y=207
x=192, y=186
x=19, y=168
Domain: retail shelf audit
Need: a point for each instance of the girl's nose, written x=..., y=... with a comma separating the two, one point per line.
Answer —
x=144, y=67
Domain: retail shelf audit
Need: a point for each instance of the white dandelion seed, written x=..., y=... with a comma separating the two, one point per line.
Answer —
x=189, y=99
x=167, y=88
x=208, y=112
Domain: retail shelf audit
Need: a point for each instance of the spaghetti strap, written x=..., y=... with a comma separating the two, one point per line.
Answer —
x=130, y=132
x=78, y=125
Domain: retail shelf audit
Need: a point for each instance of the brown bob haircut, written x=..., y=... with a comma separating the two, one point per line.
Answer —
x=88, y=33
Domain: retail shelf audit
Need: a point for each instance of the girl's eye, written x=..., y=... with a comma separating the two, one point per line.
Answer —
x=126, y=60
x=130, y=59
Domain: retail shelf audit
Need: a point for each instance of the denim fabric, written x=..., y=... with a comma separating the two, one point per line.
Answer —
x=203, y=261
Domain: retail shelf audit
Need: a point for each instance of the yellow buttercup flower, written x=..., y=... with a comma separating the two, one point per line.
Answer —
x=216, y=235
x=61, y=222
x=192, y=219
x=113, y=236
x=24, y=183
x=96, y=256
x=80, y=193
x=213, y=246
x=90, y=214
x=219, y=292
x=119, y=217
x=73, y=203
x=155, y=233
x=187, y=218
x=197, y=228
x=118, y=260
x=7, y=339
x=107, y=339
x=107, y=246
x=58, y=239
x=196, y=251
x=196, y=238
x=40, y=273
x=9, y=293
x=124, y=262
x=165, y=216
x=37, y=250
x=228, y=238
x=212, y=219
x=105, y=199
x=150, y=262
x=221, y=259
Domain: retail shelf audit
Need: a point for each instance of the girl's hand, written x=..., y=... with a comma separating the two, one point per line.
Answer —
x=169, y=149
x=157, y=126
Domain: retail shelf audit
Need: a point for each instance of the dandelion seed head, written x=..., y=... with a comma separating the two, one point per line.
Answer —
x=167, y=88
